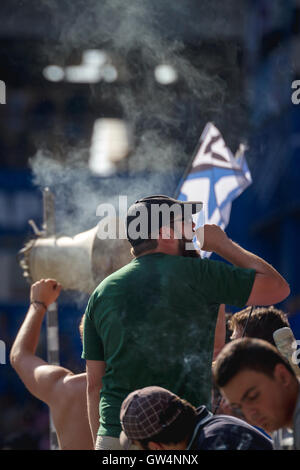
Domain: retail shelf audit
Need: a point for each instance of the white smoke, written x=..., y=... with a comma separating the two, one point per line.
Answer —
x=166, y=120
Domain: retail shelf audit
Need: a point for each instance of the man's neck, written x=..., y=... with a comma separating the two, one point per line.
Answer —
x=294, y=399
x=165, y=249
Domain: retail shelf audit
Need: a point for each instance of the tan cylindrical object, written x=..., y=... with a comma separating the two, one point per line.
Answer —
x=77, y=263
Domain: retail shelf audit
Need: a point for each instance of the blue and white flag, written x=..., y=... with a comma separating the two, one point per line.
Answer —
x=216, y=178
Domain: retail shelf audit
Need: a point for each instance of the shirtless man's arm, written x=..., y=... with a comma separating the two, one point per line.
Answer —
x=54, y=385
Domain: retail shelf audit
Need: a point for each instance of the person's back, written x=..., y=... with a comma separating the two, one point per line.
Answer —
x=223, y=432
x=156, y=319
x=69, y=414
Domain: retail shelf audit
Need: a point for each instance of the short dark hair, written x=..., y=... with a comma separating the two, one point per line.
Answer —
x=179, y=430
x=262, y=322
x=147, y=245
x=247, y=353
x=144, y=207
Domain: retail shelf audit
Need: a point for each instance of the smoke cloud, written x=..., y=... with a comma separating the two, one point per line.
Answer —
x=166, y=120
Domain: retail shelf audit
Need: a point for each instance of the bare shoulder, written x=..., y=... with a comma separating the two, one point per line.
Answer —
x=68, y=391
x=69, y=412
x=70, y=385
x=73, y=383
x=40, y=378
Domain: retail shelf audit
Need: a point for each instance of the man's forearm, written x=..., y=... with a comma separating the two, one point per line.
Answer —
x=269, y=287
x=242, y=258
x=93, y=411
x=28, y=336
x=220, y=332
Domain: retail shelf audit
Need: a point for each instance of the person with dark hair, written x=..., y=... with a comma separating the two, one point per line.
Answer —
x=62, y=390
x=153, y=418
x=153, y=321
x=256, y=379
x=261, y=324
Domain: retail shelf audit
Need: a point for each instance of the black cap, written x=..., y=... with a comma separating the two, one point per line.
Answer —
x=149, y=221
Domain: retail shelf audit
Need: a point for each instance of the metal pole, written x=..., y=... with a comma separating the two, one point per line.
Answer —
x=52, y=319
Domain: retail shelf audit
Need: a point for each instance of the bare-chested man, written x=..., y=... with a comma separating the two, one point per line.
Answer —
x=63, y=391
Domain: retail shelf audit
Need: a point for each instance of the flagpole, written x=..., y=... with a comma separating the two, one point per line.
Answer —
x=190, y=164
x=52, y=318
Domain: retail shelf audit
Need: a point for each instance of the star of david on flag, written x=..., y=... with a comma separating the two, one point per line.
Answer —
x=216, y=177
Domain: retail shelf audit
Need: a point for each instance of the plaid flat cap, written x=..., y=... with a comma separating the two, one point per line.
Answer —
x=144, y=413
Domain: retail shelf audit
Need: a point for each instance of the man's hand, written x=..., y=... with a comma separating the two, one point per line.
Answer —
x=214, y=238
x=45, y=291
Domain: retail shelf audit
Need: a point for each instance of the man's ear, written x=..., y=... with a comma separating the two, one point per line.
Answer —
x=282, y=374
x=166, y=232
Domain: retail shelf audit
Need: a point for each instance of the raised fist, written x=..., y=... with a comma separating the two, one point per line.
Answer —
x=45, y=291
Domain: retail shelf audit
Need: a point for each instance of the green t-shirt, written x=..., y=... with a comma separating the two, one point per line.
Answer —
x=153, y=323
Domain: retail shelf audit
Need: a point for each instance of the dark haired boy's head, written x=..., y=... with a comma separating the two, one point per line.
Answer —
x=256, y=379
x=261, y=324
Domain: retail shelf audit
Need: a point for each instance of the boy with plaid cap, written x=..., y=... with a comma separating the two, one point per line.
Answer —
x=153, y=418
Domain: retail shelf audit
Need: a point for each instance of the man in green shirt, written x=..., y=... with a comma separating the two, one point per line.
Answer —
x=152, y=322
